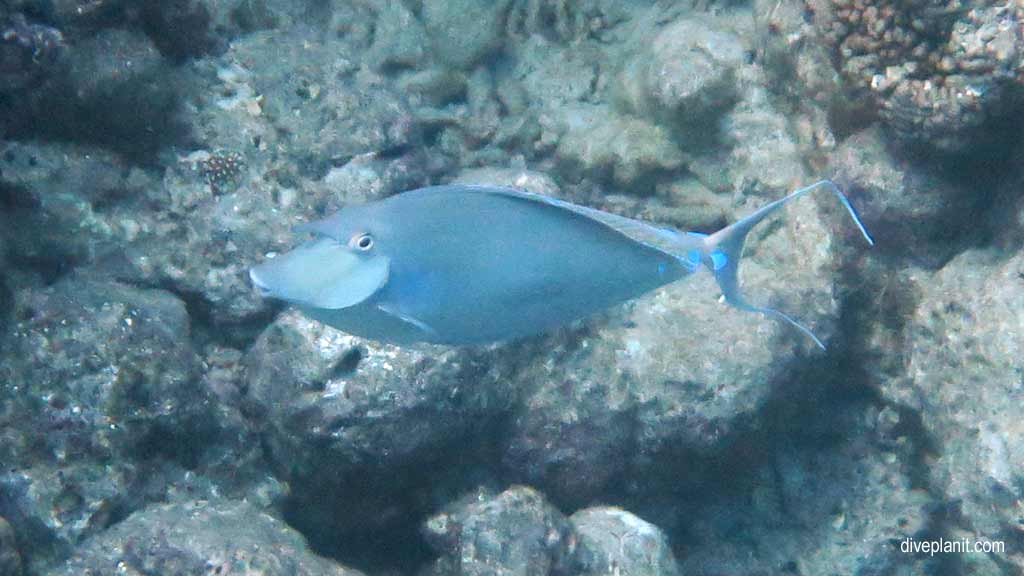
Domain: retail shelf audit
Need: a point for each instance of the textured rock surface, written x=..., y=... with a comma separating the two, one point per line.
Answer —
x=516, y=532
x=755, y=148
x=822, y=507
x=610, y=540
x=101, y=409
x=400, y=38
x=370, y=437
x=180, y=29
x=118, y=92
x=463, y=31
x=336, y=402
x=29, y=53
x=674, y=369
x=685, y=73
x=67, y=205
x=625, y=149
x=963, y=352
x=200, y=538
x=10, y=560
x=103, y=367
x=912, y=211
x=536, y=182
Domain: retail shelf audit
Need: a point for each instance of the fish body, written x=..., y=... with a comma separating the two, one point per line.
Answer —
x=467, y=264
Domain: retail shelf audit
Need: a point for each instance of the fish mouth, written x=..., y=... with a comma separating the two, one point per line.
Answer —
x=261, y=287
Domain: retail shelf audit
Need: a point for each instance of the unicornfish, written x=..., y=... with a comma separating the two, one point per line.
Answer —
x=470, y=264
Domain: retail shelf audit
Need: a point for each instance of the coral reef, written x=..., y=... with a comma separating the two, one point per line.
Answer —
x=157, y=416
x=937, y=70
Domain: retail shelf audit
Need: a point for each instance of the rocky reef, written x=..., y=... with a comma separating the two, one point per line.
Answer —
x=158, y=417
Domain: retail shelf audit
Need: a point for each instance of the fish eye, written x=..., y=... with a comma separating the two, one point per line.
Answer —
x=362, y=242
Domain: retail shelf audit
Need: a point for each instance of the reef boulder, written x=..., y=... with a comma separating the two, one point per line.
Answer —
x=914, y=211
x=962, y=351
x=216, y=537
x=515, y=533
x=611, y=539
x=686, y=74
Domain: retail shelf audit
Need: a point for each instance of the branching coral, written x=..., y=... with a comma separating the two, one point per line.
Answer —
x=936, y=69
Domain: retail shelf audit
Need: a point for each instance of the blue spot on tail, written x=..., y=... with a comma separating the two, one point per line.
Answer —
x=719, y=260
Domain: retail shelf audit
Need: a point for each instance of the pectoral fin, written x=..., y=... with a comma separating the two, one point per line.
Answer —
x=420, y=325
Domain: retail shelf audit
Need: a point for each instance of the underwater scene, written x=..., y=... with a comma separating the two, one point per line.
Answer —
x=511, y=287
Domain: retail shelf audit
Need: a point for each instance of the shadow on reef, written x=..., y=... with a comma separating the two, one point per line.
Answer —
x=924, y=206
x=373, y=520
x=795, y=464
x=110, y=87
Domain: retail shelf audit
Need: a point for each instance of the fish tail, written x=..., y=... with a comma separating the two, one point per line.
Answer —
x=724, y=248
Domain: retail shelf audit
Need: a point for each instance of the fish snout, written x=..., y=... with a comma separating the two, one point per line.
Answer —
x=262, y=288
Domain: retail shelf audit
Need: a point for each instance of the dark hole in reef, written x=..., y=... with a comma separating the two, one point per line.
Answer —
x=14, y=198
x=347, y=364
x=6, y=305
x=371, y=518
x=392, y=68
x=379, y=530
x=183, y=443
x=48, y=270
x=394, y=152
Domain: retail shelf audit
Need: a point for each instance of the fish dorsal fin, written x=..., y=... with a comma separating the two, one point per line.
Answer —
x=662, y=239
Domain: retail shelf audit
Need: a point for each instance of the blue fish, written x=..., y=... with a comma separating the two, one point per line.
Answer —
x=469, y=264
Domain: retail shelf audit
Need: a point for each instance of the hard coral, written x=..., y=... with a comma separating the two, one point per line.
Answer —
x=936, y=70
x=222, y=170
